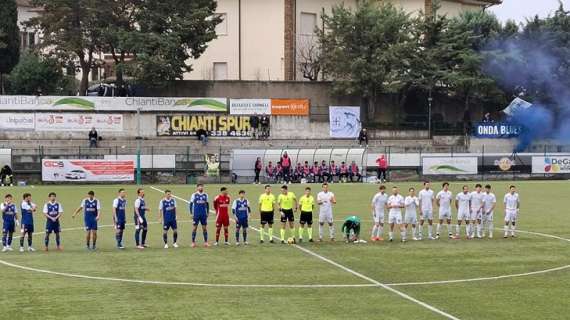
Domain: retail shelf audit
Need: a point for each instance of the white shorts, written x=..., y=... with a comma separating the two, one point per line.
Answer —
x=378, y=217
x=445, y=214
x=488, y=217
x=511, y=215
x=463, y=215
x=426, y=215
x=395, y=218
x=411, y=219
x=476, y=214
x=326, y=217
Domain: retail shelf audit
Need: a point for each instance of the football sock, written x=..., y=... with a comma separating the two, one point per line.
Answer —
x=57, y=240
x=165, y=237
x=270, y=233
x=374, y=231
x=301, y=232
x=380, y=231
x=205, y=236
x=331, y=231
x=137, y=237
x=261, y=233
x=244, y=235
x=193, y=236
x=29, y=239
x=282, y=231
x=175, y=236
x=118, y=239
x=10, y=237
x=218, y=229
x=46, y=239
x=4, y=236
x=479, y=229
x=94, y=241
x=413, y=232
x=430, y=230
x=22, y=241
x=237, y=235
x=320, y=231
x=144, y=232
x=310, y=232
x=391, y=234
x=457, y=229
x=438, y=228
x=226, y=234
x=490, y=228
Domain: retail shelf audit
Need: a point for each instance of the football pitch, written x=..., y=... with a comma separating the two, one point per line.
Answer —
x=522, y=278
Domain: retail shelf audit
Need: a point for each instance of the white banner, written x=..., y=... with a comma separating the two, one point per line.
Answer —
x=87, y=170
x=250, y=106
x=449, y=165
x=78, y=122
x=344, y=122
x=551, y=164
x=17, y=121
x=132, y=104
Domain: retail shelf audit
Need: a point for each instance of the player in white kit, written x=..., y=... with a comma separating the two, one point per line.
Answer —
x=378, y=209
x=512, y=207
x=411, y=216
x=326, y=199
x=490, y=201
x=396, y=204
x=426, y=197
x=462, y=204
x=443, y=200
x=477, y=199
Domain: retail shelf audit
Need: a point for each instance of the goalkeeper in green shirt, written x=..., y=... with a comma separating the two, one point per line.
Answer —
x=351, y=229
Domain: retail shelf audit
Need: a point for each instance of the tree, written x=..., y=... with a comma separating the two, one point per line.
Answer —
x=365, y=51
x=35, y=72
x=9, y=39
x=309, y=57
x=70, y=33
x=154, y=40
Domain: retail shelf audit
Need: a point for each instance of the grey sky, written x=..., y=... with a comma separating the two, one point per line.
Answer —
x=518, y=10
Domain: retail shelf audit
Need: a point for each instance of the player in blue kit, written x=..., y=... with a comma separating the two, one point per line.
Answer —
x=141, y=225
x=119, y=217
x=241, y=211
x=28, y=209
x=200, y=210
x=91, y=213
x=167, y=213
x=10, y=219
x=53, y=211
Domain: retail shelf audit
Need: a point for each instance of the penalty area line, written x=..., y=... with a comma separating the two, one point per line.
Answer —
x=359, y=275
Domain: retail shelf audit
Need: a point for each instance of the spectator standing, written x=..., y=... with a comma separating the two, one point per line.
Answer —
x=382, y=168
x=286, y=167
x=93, y=138
x=363, y=137
x=254, y=123
x=257, y=168
x=202, y=135
x=264, y=123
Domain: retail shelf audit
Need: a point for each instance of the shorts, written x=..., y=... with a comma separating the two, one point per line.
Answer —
x=463, y=215
x=511, y=215
x=426, y=214
x=378, y=217
x=326, y=216
x=476, y=214
x=395, y=218
x=411, y=219
x=200, y=218
x=28, y=227
x=223, y=220
x=287, y=215
x=488, y=217
x=266, y=217
x=90, y=224
x=444, y=214
x=120, y=225
x=169, y=224
x=306, y=217
x=52, y=227
x=9, y=225
x=242, y=222
x=139, y=225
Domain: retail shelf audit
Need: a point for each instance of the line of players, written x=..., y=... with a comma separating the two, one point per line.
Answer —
x=475, y=209
x=323, y=172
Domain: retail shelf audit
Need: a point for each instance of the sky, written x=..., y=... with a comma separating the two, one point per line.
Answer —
x=518, y=10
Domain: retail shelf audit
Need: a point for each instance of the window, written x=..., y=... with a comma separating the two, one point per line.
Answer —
x=222, y=27
x=220, y=71
x=308, y=23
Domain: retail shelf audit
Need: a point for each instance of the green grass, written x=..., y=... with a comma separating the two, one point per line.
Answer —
x=30, y=295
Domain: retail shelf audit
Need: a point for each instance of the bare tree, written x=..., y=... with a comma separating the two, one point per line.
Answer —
x=309, y=57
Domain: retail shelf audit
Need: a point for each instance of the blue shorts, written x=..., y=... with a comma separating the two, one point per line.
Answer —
x=170, y=224
x=139, y=225
x=200, y=219
x=90, y=224
x=28, y=227
x=242, y=222
x=120, y=225
x=52, y=226
x=9, y=225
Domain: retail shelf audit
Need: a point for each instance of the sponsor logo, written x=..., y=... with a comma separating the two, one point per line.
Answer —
x=53, y=164
x=505, y=164
x=556, y=165
x=79, y=103
x=444, y=168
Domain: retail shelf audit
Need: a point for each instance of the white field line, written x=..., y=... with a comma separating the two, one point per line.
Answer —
x=361, y=276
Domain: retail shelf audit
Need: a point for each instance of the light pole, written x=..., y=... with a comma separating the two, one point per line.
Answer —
x=430, y=100
x=139, y=138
